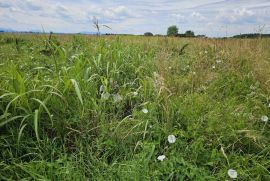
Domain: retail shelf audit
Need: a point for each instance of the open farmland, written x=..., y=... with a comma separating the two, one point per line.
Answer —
x=77, y=107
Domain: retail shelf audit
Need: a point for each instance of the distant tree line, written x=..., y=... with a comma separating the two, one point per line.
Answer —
x=173, y=31
x=252, y=35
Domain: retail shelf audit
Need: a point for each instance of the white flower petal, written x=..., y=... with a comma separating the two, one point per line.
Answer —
x=171, y=139
x=232, y=173
x=161, y=157
x=264, y=118
x=145, y=111
x=135, y=93
x=105, y=96
x=101, y=88
x=117, y=98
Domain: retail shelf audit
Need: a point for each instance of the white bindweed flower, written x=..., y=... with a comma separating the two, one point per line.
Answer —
x=161, y=157
x=135, y=93
x=101, y=88
x=105, y=96
x=218, y=61
x=232, y=173
x=144, y=110
x=117, y=98
x=171, y=139
x=264, y=118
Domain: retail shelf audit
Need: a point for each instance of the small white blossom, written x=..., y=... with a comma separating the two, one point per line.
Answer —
x=264, y=118
x=232, y=173
x=101, y=88
x=144, y=110
x=194, y=73
x=135, y=93
x=117, y=98
x=171, y=139
x=269, y=104
x=105, y=96
x=205, y=52
x=213, y=67
x=161, y=157
x=170, y=67
x=218, y=61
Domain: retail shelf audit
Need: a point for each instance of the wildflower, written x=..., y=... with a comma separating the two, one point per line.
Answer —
x=205, y=52
x=170, y=67
x=144, y=110
x=218, y=61
x=105, y=96
x=264, y=118
x=232, y=173
x=101, y=88
x=161, y=157
x=194, y=73
x=269, y=105
x=213, y=67
x=171, y=139
x=135, y=93
x=117, y=98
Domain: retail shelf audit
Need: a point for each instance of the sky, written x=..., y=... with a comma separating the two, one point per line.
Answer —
x=213, y=18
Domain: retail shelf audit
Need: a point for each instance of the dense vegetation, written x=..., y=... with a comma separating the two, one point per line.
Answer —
x=101, y=108
x=252, y=35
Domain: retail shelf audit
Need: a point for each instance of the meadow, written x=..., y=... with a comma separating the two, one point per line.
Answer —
x=77, y=107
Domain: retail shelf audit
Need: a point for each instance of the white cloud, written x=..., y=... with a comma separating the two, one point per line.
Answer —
x=136, y=17
x=242, y=15
x=198, y=16
x=179, y=17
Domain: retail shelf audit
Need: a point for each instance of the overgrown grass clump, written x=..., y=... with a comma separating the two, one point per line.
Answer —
x=101, y=108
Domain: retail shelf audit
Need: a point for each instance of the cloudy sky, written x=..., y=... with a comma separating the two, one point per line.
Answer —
x=210, y=17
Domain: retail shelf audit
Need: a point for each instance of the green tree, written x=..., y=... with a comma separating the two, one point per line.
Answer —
x=189, y=33
x=148, y=34
x=172, y=30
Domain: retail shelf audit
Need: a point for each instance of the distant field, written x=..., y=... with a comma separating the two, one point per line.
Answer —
x=75, y=107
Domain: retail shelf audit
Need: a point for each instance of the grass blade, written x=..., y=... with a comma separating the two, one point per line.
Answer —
x=36, y=123
x=20, y=133
x=45, y=107
x=9, y=120
x=77, y=89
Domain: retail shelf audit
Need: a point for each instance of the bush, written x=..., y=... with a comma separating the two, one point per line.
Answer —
x=148, y=34
x=172, y=30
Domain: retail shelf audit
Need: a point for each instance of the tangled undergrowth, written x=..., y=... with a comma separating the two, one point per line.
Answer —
x=133, y=108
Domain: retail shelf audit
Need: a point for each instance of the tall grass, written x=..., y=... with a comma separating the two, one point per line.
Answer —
x=101, y=108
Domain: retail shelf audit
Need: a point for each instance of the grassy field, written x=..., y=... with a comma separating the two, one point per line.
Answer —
x=77, y=107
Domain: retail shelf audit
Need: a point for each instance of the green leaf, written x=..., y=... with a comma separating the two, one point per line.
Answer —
x=36, y=123
x=77, y=89
x=9, y=120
